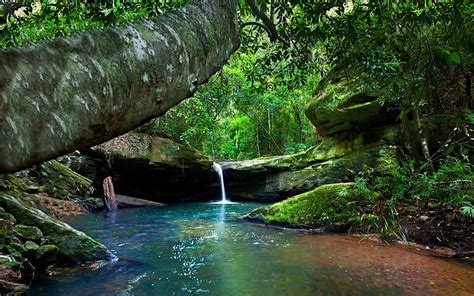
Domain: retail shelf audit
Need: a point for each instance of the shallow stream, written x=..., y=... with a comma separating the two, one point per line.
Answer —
x=203, y=249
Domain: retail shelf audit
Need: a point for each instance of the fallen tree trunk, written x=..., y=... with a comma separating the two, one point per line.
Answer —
x=74, y=92
x=128, y=201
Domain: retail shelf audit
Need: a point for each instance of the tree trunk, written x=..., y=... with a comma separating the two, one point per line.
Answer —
x=110, y=199
x=78, y=91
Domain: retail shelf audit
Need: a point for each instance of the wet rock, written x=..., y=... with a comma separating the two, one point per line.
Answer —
x=153, y=168
x=45, y=256
x=73, y=245
x=10, y=288
x=32, y=233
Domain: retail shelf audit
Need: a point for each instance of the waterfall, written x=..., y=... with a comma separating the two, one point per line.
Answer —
x=218, y=169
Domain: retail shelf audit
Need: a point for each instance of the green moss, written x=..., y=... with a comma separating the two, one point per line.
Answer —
x=31, y=246
x=47, y=250
x=32, y=233
x=62, y=181
x=73, y=245
x=16, y=247
x=331, y=206
x=6, y=232
x=7, y=216
x=346, y=101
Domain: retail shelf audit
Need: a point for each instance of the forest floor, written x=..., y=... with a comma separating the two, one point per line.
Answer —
x=437, y=226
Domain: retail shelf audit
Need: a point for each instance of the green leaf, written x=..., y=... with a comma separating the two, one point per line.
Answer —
x=454, y=57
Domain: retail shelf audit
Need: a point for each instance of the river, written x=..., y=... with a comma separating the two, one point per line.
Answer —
x=204, y=249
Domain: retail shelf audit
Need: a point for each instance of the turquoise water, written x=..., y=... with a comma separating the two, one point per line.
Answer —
x=203, y=249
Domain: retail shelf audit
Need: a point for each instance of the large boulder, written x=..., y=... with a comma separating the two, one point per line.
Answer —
x=345, y=102
x=330, y=207
x=154, y=168
x=73, y=245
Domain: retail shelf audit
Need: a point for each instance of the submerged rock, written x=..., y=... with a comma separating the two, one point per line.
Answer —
x=73, y=245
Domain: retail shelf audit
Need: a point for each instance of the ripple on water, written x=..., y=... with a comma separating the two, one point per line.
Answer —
x=202, y=249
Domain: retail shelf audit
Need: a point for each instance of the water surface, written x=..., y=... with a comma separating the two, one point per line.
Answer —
x=203, y=249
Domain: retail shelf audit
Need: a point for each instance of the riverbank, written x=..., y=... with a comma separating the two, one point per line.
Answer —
x=344, y=208
x=32, y=236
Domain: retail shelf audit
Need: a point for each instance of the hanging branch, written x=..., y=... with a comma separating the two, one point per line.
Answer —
x=267, y=23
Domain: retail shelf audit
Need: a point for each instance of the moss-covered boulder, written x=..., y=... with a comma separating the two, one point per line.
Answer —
x=58, y=180
x=345, y=102
x=73, y=245
x=32, y=233
x=330, y=207
x=45, y=256
x=19, y=248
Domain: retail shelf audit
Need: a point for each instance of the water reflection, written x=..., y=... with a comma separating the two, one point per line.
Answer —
x=203, y=249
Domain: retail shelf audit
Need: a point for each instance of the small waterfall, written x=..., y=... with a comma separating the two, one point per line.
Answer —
x=218, y=169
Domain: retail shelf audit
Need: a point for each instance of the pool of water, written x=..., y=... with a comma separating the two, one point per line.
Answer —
x=203, y=249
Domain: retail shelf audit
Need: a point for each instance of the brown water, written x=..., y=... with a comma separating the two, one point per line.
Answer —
x=203, y=249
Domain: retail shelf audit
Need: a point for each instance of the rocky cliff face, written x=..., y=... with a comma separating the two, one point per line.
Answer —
x=155, y=168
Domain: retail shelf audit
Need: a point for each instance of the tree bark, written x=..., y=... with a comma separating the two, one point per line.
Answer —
x=78, y=91
x=110, y=199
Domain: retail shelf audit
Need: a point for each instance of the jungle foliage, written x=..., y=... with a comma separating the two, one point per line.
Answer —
x=418, y=54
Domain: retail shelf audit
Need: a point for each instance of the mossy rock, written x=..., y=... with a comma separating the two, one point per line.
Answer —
x=345, y=102
x=7, y=216
x=16, y=247
x=61, y=181
x=331, y=207
x=281, y=185
x=73, y=245
x=32, y=233
x=6, y=232
x=31, y=246
x=45, y=256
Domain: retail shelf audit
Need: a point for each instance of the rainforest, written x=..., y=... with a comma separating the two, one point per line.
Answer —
x=236, y=147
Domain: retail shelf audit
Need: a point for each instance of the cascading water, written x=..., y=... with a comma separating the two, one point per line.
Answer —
x=218, y=169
